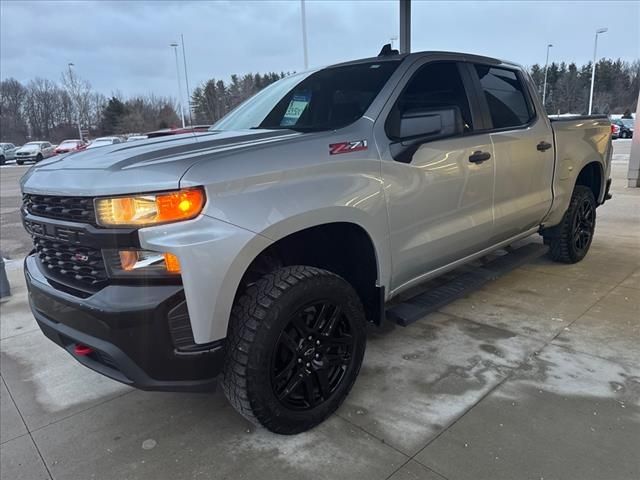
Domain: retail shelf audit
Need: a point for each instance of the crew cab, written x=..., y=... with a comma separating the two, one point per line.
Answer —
x=255, y=253
x=34, y=152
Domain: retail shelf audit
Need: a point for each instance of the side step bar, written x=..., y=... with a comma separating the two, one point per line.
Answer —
x=429, y=301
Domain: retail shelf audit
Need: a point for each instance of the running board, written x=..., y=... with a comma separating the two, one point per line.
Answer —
x=429, y=301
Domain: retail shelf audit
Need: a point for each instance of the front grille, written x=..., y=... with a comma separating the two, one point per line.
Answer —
x=77, y=209
x=79, y=264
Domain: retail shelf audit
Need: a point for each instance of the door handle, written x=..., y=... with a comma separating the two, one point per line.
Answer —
x=479, y=157
x=543, y=146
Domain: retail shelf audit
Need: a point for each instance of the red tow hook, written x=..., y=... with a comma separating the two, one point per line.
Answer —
x=82, y=350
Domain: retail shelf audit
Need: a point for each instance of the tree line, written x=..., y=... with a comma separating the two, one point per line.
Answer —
x=616, y=87
x=45, y=110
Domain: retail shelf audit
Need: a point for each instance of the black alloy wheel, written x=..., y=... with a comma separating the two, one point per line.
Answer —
x=312, y=356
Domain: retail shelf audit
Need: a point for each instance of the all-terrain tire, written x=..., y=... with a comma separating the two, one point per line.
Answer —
x=259, y=317
x=564, y=242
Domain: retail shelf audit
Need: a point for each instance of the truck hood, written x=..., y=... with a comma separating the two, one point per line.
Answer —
x=143, y=166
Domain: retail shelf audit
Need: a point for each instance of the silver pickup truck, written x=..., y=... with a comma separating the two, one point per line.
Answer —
x=256, y=253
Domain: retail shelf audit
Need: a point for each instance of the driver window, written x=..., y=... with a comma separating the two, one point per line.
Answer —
x=435, y=85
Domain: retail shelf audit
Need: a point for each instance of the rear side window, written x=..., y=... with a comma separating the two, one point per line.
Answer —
x=505, y=96
x=435, y=85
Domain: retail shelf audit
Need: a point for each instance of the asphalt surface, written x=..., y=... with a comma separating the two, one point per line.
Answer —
x=534, y=376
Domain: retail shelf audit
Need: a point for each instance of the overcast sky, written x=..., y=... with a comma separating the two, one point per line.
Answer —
x=124, y=46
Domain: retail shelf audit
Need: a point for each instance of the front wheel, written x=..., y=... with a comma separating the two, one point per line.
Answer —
x=39, y=158
x=569, y=241
x=20, y=162
x=296, y=342
x=2, y=159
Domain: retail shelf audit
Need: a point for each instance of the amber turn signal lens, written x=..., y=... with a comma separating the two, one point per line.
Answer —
x=172, y=263
x=153, y=209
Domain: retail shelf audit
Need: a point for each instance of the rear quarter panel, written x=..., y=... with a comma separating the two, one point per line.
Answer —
x=578, y=143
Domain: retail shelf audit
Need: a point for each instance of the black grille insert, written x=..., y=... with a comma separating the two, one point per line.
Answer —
x=76, y=263
x=79, y=209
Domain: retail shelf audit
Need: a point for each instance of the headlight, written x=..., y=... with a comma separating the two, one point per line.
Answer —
x=149, y=209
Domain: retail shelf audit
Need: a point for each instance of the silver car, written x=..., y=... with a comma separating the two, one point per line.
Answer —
x=34, y=152
x=7, y=152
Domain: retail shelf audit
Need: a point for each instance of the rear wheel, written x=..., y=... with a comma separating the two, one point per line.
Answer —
x=296, y=341
x=20, y=162
x=569, y=242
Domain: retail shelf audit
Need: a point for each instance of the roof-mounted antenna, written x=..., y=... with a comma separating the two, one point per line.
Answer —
x=387, y=51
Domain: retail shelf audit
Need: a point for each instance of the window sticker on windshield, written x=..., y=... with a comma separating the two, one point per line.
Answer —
x=296, y=107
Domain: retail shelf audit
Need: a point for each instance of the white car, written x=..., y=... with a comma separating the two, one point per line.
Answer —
x=7, y=152
x=134, y=138
x=104, y=141
x=34, y=152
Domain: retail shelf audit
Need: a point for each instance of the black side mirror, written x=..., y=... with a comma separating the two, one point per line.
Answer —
x=418, y=126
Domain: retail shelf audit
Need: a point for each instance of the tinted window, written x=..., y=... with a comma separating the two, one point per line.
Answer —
x=323, y=100
x=505, y=96
x=435, y=85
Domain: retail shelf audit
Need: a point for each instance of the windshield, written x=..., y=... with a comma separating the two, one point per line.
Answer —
x=322, y=100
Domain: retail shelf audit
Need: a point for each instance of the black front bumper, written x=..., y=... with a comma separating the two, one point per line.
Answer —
x=127, y=328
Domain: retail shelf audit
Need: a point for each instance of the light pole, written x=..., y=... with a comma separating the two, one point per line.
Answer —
x=546, y=68
x=303, y=14
x=186, y=79
x=72, y=86
x=593, y=66
x=175, y=50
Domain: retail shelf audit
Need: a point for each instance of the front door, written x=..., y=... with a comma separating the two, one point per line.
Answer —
x=440, y=199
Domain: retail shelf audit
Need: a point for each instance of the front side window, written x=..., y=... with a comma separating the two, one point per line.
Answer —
x=434, y=86
x=327, y=99
x=505, y=95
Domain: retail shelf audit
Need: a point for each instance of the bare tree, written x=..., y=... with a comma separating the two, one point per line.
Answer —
x=80, y=92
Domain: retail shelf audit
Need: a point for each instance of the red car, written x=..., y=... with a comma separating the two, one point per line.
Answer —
x=68, y=146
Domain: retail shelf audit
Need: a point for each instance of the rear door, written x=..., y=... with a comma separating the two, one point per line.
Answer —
x=523, y=149
x=440, y=197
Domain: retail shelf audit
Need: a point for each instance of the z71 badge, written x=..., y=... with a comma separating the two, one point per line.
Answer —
x=347, y=147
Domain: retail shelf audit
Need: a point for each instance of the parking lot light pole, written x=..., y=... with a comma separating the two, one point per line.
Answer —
x=303, y=15
x=593, y=66
x=546, y=68
x=175, y=50
x=186, y=79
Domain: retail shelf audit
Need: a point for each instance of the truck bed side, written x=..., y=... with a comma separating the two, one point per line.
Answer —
x=582, y=144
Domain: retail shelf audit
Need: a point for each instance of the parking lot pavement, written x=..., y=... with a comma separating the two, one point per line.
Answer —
x=535, y=375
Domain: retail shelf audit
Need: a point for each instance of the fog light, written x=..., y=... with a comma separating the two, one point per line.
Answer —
x=145, y=263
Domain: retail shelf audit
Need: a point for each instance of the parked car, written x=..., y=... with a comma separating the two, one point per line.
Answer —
x=135, y=138
x=104, y=141
x=7, y=152
x=615, y=131
x=624, y=127
x=256, y=253
x=34, y=152
x=70, y=146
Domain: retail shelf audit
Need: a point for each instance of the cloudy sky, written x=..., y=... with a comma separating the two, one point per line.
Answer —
x=124, y=45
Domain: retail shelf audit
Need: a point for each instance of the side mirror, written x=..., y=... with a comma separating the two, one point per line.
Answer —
x=418, y=126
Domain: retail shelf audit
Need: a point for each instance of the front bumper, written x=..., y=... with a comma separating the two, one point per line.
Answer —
x=127, y=328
